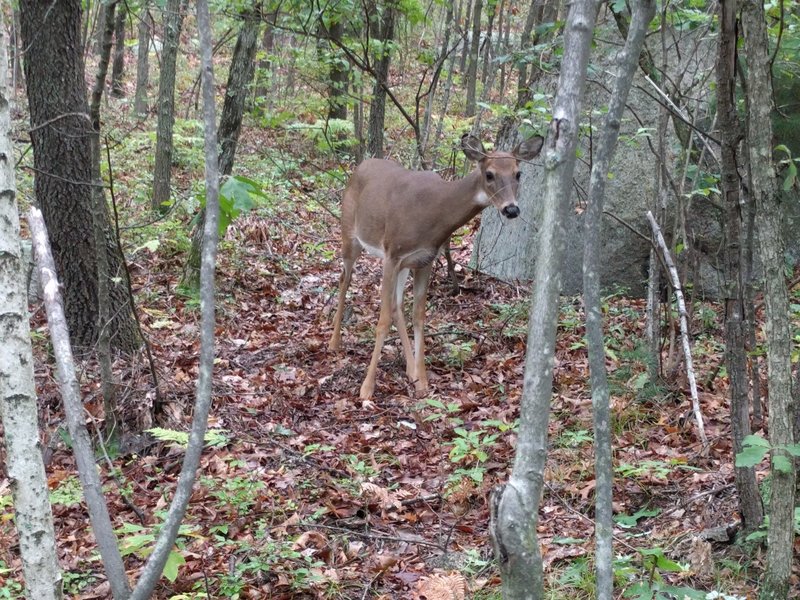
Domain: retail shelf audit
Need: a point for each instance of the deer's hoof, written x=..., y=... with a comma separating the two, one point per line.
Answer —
x=366, y=391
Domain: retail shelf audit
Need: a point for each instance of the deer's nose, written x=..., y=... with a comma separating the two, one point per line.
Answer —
x=511, y=211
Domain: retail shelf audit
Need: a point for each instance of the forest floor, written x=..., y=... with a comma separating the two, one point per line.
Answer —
x=307, y=491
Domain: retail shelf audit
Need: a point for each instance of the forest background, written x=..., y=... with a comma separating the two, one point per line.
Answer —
x=306, y=491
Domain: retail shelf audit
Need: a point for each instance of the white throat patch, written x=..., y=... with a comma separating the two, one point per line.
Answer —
x=482, y=198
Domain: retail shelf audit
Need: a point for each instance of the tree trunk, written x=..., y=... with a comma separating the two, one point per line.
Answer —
x=154, y=567
x=377, y=109
x=162, y=170
x=18, y=410
x=503, y=35
x=240, y=76
x=338, y=73
x=471, y=79
x=523, y=93
x=61, y=135
x=488, y=51
x=735, y=333
x=118, y=67
x=462, y=65
x=780, y=535
x=601, y=161
x=143, y=61
x=429, y=105
x=264, y=70
x=515, y=506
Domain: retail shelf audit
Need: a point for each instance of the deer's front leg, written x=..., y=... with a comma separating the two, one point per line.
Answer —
x=421, y=278
x=381, y=331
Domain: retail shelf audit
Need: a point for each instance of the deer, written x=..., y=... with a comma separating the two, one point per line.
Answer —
x=405, y=217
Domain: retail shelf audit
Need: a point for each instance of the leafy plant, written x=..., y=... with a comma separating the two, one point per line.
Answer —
x=237, y=195
x=755, y=447
x=573, y=438
x=138, y=540
x=9, y=588
x=442, y=410
x=469, y=447
x=236, y=495
x=653, y=586
x=628, y=521
x=68, y=492
x=213, y=437
x=74, y=583
x=657, y=469
x=458, y=353
x=328, y=136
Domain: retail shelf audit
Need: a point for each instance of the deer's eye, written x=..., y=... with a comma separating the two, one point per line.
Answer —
x=489, y=176
x=518, y=175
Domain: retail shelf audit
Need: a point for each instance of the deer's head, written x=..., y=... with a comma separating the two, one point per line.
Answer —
x=499, y=178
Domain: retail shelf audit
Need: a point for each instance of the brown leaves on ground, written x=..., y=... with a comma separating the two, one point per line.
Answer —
x=318, y=494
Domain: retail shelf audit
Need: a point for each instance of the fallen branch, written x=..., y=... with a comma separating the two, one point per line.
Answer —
x=687, y=351
x=73, y=408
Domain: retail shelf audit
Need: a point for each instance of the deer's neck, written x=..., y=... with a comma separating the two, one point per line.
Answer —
x=463, y=200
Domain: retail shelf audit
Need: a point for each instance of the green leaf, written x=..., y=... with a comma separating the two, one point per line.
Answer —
x=794, y=449
x=152, y=246
x=750, y=456
x=755, y=447
x=661, y=561
x=628, y=521
x=174, y=561
x=781, y=464
x=791, y=176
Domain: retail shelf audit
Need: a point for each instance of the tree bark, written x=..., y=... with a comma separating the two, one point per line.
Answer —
x=240, y=76
x=471, y=78
x=488, y=51
x=118, y=66
x=377, y=109
x=780, y=535
x=264, y=70
x=338, y=74
x=735, y=332
x=143, y=61
x=162, y=170
x=18, y=410
x=601, y=161
x=515, y=506
x=169, y=532
x=61, y=134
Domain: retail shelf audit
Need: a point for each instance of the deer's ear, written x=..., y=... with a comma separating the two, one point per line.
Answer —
x=529, y=148
x=472, y=147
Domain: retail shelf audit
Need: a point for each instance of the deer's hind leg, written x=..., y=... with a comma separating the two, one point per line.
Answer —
x=351, y=250
x=400, y=323
x=422, y=277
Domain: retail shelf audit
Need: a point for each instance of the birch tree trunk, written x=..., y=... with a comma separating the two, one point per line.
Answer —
x=18, y=410
x=780, y=536
x=628, y=61
x=73, y=408
x=515, y=506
